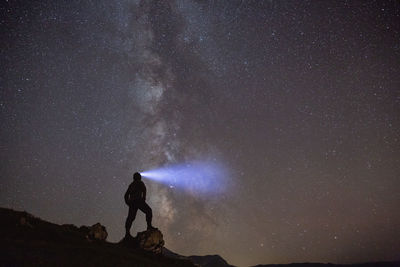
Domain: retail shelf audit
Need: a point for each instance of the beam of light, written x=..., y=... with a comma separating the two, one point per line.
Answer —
x=197, y=176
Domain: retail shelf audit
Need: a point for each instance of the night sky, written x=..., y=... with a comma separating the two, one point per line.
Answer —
x=299, y=100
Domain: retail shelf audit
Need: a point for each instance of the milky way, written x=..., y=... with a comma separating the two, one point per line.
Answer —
x=298, y=100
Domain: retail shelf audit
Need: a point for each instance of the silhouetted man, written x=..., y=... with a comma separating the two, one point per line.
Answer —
x=135, y=198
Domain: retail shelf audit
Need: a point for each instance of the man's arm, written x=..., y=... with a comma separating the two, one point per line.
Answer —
x=126, y=196
x=144, y=191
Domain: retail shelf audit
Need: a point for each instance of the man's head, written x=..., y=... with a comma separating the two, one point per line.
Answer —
x=137, y=176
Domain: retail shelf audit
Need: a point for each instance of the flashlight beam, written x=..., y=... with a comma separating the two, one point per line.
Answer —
x=204, y=177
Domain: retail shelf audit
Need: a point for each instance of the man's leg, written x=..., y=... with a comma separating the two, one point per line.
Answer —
x=131, y=217
x=149, y=214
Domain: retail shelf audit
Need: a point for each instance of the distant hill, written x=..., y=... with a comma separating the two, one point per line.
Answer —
x=210, y=261
x=203, y=261
x=306, y=264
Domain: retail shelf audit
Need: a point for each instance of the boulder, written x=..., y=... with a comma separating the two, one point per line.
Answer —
x=96, y=232
x=150, y=240
x=24, y=221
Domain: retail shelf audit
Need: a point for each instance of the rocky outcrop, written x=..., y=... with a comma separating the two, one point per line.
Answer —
x=96, y=232
x=150, y=240
x=25, y=219
x=26, y=240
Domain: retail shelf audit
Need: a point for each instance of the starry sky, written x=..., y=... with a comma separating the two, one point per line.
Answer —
x=299, y=100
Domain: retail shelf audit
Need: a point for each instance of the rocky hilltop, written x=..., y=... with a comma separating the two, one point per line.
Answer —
x=29, y=241
x=26, y=240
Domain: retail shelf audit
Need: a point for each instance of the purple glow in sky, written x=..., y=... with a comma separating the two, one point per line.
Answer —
x=197, y=176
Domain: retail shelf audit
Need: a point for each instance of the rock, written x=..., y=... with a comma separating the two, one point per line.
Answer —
x=84, y=229
x=95, y=232
x=150, y=240
x=24, y=221
x=70, y=228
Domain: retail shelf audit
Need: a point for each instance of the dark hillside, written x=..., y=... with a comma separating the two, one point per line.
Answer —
x=29, y=241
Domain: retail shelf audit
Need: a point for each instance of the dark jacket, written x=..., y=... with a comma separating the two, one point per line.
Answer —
x=136, y=191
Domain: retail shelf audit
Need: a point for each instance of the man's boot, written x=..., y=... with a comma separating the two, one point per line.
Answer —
x=150, y=227
x=128, y=235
